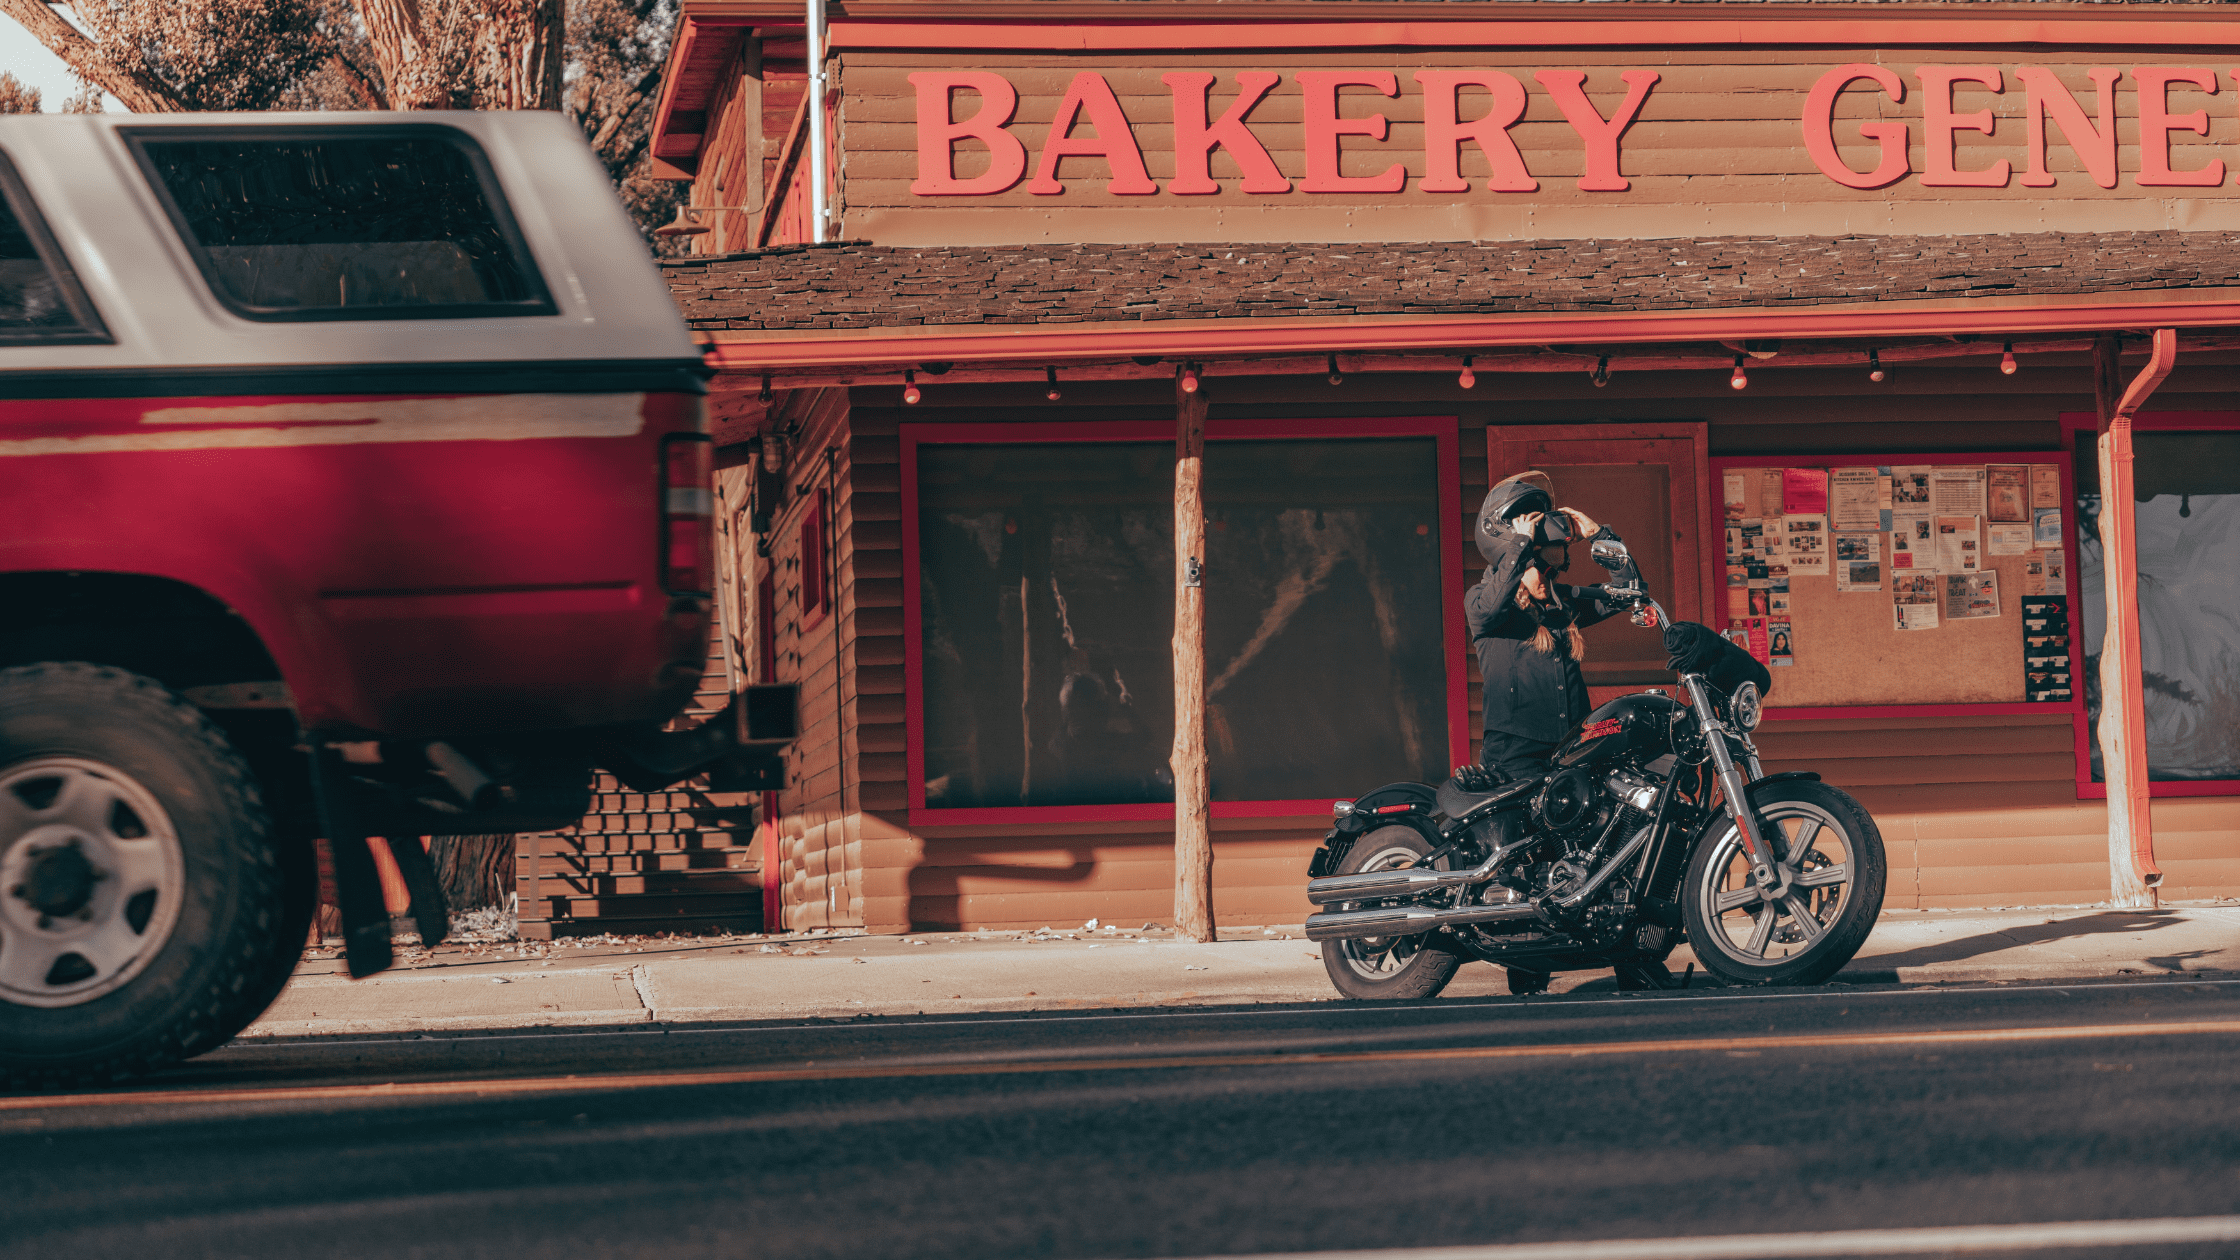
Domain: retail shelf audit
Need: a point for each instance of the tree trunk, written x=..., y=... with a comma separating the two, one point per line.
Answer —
x=1193, y=841
x=139, y=92
x=475, y=871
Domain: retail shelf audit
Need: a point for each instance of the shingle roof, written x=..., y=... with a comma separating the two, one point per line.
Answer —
x=866, y=286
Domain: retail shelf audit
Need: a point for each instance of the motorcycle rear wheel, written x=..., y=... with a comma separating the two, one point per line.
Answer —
x=1387, y=967
x=1820, y=916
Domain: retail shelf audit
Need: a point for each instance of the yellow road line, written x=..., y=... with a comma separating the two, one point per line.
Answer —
x=848, y=1072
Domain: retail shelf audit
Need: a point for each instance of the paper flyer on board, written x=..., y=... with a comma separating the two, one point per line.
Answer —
x=2034, y=575
x=1769, y=493
x=1804, y=544
x=1804, y=492
x=1968, y=596
x=2007, y=498
x=1912, y=545
x=1737, y=484
x=1914, y=600
x=1780, y=642
x=1956, y=490
x=1777, y=590
x=1909, y=490
x=1959, y=544
x=1855, y=500
x=2045, y=526
x=1738, y=593
x=1859, y=562
x=2009, y=540
x=2045, y=486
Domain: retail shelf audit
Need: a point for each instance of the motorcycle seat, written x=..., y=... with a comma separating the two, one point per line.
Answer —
x=1459, y=803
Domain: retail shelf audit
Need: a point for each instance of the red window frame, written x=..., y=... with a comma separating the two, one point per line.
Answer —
x=816, y=593
x=2074, y=706
x=2086, y=422
x=1445, y=430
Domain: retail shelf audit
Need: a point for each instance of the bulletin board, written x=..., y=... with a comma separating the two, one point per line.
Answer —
x=1850, y=643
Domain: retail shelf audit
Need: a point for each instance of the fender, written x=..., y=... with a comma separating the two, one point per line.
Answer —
x=1711, y=822
x=1410, y=804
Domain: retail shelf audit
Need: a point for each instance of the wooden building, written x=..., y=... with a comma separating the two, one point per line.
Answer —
x=1765, y=287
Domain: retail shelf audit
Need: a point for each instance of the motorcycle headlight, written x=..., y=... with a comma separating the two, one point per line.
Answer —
x=1341, y=810
x=1747, y=706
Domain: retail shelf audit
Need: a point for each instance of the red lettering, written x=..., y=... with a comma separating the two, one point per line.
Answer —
x=1939, y=123
x=1115, y=140
x=1820, y=136
x=2156, y=122
x=2094, y=146
x=1195, y=138
x=1319, y=88
x=938, y=133
x=1444, y=132
x=1601, y=135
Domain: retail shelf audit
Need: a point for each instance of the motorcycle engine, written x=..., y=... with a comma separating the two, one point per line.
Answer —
x=1571, y=801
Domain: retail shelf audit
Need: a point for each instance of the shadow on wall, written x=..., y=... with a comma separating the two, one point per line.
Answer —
x=1032, y=866
x=2114, y=921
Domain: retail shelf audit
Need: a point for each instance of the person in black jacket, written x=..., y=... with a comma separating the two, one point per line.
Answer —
x=1525, y=624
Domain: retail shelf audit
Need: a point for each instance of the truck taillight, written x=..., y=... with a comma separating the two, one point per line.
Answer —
x=687, y=514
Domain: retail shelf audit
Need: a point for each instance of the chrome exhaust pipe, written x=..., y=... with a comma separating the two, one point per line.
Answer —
x=1346, y=925
x=1404, y=882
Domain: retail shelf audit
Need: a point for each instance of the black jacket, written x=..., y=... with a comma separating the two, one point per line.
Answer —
x=1528, y=692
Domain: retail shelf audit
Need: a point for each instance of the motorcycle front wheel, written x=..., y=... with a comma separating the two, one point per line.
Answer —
x=1387, y=967
x=1830, y=890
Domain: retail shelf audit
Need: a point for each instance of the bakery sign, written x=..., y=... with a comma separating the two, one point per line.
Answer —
x=1861, y=125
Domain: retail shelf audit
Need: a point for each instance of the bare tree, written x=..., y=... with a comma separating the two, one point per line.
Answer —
x=616, y=49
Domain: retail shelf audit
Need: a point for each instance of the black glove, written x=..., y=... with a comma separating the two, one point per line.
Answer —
x=1695, y=649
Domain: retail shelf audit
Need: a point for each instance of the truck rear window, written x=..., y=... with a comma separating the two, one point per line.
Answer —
x=400, y=222
x=39, y=299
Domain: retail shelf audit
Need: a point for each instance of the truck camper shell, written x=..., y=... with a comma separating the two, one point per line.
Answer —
x=112, y=204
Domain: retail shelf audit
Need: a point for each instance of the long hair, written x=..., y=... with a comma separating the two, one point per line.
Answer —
x=1545, y=639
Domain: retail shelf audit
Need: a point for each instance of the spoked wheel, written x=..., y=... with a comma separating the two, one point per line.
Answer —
x=1387, y=966
x=1818, y=914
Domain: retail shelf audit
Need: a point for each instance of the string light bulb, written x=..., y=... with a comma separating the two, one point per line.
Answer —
x=1336, y=377
x=1468, y=379
x=1601, y=374
x=1741, y=378
x=1190, y=378
x=910, y=394
x=1874, y=367
x=1050, y=374
x=2006, y=362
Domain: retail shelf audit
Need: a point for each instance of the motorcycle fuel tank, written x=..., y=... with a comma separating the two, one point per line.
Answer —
x=1639, y=724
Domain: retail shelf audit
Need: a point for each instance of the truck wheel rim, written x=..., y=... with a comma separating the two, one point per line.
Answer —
x=91, y=879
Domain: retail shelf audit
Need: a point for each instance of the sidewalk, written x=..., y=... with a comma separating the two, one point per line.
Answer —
x=607, y=981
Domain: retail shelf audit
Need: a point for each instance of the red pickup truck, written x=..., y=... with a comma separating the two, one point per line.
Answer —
x=355, y=483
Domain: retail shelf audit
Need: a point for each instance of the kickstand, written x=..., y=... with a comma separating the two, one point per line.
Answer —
x=1690, y=974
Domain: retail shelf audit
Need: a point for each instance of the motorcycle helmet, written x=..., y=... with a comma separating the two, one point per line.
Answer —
x=1511, y=498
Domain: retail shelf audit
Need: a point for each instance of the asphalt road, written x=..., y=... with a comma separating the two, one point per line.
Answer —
x=1167, y=1133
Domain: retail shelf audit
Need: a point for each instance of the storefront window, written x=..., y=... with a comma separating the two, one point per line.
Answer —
x=2188, y=512
x=1046, y=578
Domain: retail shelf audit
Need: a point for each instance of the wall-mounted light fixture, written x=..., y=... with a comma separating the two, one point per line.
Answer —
x=1741, y=378
x=1468, y=379
x=910, y=394
x=1874, y=367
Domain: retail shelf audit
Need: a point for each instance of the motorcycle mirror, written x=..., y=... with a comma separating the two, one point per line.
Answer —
x=1610, y=554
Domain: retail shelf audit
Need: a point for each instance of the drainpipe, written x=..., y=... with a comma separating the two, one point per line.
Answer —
x=2132, y=874
x=816, y=122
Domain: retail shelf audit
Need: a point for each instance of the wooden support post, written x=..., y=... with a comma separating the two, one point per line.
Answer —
x=1193, y=838
x=2132, y=873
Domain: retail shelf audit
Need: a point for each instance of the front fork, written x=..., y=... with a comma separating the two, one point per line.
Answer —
x=1734, y=781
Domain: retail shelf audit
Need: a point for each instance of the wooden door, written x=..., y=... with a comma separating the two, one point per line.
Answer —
x=1649, y=482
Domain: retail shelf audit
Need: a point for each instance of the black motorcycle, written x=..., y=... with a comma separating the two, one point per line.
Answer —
x=1630, y=845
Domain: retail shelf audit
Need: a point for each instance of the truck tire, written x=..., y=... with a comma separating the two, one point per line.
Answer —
x=140, y=891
